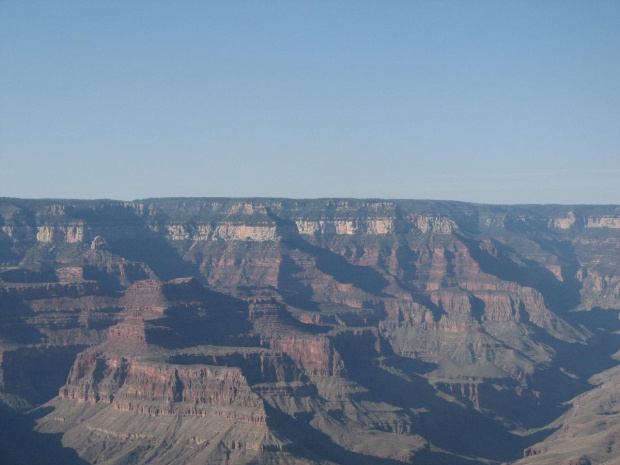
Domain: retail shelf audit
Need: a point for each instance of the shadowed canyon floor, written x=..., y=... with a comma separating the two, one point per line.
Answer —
x=275, y=331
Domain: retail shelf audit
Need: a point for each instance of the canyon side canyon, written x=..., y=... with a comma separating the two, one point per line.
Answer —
x=327, y=331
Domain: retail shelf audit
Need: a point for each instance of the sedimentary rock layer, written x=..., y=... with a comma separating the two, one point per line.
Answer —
x=309, y=331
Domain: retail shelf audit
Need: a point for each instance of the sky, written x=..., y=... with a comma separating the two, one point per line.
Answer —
x=481, y=101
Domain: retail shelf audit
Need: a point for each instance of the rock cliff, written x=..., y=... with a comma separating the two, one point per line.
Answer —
x=311, y=331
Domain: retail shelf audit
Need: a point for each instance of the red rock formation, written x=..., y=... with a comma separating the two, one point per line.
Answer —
x=161, y=389
x=316, y=355
x=349, y=327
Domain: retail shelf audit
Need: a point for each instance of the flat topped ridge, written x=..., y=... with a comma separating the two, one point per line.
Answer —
x=260, y=206
x=271, y=220
x=146, y=296
x=156, y=286
x=185, y=289
x=184, y=284
x=148, y=290
x=33, y=291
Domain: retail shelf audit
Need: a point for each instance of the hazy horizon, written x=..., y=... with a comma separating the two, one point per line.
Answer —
x=482, y=102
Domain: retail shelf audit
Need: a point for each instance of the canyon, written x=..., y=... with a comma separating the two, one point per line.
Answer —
x=324, y=331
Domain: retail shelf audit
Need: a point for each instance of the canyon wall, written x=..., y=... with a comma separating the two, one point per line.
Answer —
x=308, y=331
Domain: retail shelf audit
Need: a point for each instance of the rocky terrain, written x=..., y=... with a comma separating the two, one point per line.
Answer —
x=275, y=331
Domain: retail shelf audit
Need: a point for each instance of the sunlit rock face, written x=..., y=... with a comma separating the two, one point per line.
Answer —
x=308, y=331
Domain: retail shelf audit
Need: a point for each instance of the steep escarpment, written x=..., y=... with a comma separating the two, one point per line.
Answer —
x=133, y=384
x=43, y=326
x=589, y=432
x=311, y=331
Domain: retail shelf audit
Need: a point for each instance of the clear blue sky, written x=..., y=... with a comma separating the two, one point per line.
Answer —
x=484, y=101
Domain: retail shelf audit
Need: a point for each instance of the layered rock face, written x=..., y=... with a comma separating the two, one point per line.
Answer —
x=316, y=331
